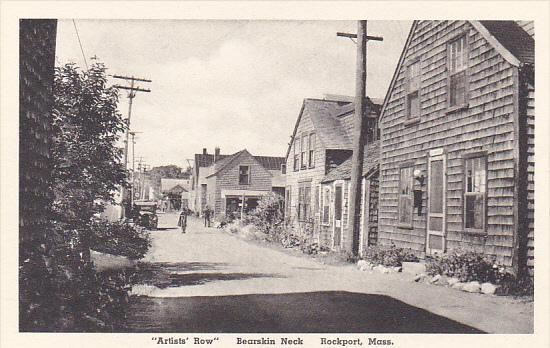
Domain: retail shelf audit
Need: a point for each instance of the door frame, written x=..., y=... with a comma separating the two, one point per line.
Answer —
x=437, y=155
x=340, y=183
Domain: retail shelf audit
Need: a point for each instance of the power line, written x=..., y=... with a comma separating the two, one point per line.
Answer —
x=80, y=44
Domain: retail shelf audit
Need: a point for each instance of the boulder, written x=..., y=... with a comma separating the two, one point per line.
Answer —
x=413, y=268
x=472, y=287
x=397, y=269
x=419, y=278
x=458, y=285
x=363, y=265
x=452, y=281
x=381, y=269
x=443, y=281
x=488, y=288
x=435, y=278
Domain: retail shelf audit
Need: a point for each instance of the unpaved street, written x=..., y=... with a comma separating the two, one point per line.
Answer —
x=209, y=281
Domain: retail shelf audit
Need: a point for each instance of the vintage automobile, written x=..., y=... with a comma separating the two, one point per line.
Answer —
x=146, y=214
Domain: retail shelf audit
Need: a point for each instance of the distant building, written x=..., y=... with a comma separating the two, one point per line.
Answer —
x=231, y=184
x=457, y=144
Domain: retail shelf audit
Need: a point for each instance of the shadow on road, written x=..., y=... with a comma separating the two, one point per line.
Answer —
x=306, y=312
x=164, y=275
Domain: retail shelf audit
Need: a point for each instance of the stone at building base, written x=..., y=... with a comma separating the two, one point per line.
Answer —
x=488, y=288
x=473, y=287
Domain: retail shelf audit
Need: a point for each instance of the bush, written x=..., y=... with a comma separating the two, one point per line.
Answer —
x=119, y=238
x=268, y=217
x=313, y=248
x=471, y=266
x=391, y=256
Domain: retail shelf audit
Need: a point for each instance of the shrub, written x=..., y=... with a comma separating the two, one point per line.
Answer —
x=471, y=266
x=119, y=238
x=391, y=256
x=268, y=216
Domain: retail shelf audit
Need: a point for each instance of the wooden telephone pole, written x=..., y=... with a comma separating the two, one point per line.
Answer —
x=359, y=133
x=133, y=134
x=131, y=95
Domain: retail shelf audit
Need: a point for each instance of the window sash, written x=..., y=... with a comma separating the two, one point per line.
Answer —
x=457, y=89
x=457, y=65
x=303, y=153
x=244, y=175
x=413, y=105
x=325, y=202
x=475, y=187
x=311, y=159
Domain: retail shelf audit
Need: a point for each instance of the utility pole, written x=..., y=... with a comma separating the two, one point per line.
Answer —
x=358, y=133
x=133, y=134
x=131, y=95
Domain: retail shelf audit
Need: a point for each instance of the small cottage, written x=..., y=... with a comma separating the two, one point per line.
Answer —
x=233, y=184
x=457, y=142
x=321, y=141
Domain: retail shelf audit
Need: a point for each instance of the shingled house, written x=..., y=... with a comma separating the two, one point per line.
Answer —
x=321, y=141
x=233, y=184
x=457, y=141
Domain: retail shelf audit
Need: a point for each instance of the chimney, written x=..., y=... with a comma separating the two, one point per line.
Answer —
x=216, y=153
x=204, y=152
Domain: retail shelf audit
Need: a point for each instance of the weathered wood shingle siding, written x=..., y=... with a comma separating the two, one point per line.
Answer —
x=531, y=175
x=293, y=178
x=486, y=125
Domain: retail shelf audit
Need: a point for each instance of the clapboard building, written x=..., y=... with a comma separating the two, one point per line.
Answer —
x=316, y=205
x=457, y=141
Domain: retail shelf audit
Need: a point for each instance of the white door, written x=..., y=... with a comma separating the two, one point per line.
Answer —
x=435, y=236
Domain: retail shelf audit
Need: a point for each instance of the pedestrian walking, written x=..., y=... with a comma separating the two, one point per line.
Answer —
x=182, y=221
x=206, y=213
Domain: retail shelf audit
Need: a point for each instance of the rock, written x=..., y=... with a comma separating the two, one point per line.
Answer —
x=413, y=268
x=361, y=264
x=458, y=285
x=452, y=281
x=381, y=269
x=435, y=278
x=443, y=281
x=472, y=287
x=419, y=277
x=398, y=269
x=488, y=288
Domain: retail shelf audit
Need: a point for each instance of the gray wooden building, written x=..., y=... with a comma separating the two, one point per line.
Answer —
x=457, y=141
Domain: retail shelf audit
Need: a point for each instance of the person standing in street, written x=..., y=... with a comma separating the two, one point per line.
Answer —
x=206, y=214
x=182, y=221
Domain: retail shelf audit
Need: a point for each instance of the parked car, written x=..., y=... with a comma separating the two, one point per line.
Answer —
x=146, y=214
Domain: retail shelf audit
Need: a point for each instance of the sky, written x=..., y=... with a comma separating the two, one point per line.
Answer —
x=232, y=84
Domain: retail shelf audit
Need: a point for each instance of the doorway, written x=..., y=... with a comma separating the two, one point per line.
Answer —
x=435, y=234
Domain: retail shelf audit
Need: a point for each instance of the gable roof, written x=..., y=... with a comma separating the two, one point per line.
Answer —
x=267, y=162
x=514, y=38
x=507, y=37
x=370, y=163
x=324, y=117
x=166, y=184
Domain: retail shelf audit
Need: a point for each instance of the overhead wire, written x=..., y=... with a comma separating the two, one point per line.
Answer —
x=80, y=44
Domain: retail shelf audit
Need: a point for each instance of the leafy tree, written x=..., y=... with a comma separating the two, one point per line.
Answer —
x=169, y=171
x=87, y=164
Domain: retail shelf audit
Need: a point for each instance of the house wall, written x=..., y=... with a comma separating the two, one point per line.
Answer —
x=313, y=175
x=228, y=179
x=530, y=113
x=486, y=125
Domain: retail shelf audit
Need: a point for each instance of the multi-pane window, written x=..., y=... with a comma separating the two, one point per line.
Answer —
x=325, y=208
x=458, y=79
x=475, y=178
x=304, y=201
x=303, y=154
x=244, y=175
x=413, y=90
x=296, y=165
x=405, y=196
x=311, y=156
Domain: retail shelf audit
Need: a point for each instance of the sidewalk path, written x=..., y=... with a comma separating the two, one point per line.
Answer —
x=209, y=281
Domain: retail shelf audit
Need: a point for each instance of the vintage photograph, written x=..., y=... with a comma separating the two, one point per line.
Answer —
x=276, y=176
